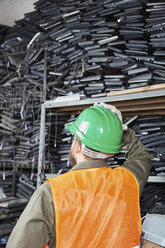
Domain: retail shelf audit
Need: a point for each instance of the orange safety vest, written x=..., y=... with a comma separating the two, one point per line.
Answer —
x=96, y=208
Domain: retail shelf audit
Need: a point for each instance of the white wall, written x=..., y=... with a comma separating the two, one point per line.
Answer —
x=11, y=10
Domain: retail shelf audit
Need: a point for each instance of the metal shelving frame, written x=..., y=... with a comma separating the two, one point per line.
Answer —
x=152, y=99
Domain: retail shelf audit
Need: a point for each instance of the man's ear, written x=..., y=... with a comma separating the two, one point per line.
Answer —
x=77, y=147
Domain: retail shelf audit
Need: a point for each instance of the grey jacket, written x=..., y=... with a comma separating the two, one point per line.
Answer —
x=36, y=225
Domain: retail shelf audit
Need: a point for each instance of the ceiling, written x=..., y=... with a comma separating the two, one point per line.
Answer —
x=12, y=10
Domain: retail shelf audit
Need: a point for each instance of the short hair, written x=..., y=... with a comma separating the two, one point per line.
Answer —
x=86, y=156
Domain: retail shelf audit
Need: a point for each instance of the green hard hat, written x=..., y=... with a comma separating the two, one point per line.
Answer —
x=98, y=128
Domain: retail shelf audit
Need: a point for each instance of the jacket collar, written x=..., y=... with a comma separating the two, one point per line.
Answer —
x=88, y=164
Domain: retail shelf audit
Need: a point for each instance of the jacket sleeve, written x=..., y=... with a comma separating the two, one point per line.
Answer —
x=36, y=226
x=138, y=160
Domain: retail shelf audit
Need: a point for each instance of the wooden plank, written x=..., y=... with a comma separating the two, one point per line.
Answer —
x=125, y=112
x=122, y=108
x=159, y=101
x=148, y=112
x=72, y=108
x=140, y=101
x=142, y=107
x=137, y=90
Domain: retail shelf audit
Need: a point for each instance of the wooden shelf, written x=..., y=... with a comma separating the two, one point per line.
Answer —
x=140, y=103
x=148, y=101
x=137, y=90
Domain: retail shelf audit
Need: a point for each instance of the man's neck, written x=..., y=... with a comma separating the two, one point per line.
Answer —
x=80, y=159
x=87, y=164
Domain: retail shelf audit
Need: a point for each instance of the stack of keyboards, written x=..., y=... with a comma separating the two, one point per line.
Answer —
x=20, y=124
x=88, y=47
x=15, y=192
x=151, y=130
x=10, y=210
x=4, y=30
x=153, y=199
x=6, y=182
x=59, y=143
x=26, y=185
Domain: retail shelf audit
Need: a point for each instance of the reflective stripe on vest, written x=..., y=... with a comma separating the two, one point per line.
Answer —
x=96, y=208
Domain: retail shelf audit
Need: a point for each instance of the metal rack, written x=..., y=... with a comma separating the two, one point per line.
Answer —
x=149, y=102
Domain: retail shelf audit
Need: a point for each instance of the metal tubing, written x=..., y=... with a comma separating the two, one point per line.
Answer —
x=41, y=146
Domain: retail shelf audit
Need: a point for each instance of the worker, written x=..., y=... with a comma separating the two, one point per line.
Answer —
x=92, y=205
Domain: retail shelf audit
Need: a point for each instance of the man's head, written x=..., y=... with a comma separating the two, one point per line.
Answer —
x=76, y=153
x=98, y=134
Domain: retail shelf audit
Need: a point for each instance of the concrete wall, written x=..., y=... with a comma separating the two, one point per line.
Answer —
x=11, y=10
